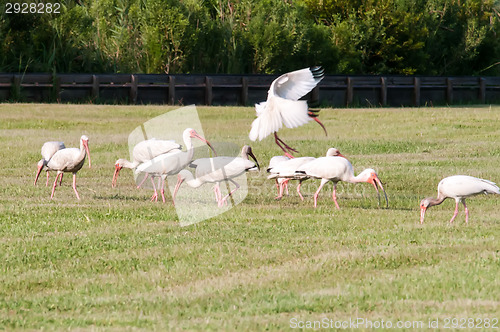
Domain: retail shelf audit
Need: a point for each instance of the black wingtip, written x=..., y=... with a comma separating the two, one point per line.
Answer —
x=313, y=113
x=317, y=71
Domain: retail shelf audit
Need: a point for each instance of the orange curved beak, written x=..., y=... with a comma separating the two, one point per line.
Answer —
x=375, y=181
x=86, y=145
x=115, y=175
x=39, y=170
x=177, y=186
x=321, y=124
x=196, y=135
x=422, y=213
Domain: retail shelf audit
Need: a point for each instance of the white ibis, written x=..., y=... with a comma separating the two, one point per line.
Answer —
x=284, y=107
x=48, y=150
x=287, y=170
x=171, y=163
x=69, y=160
x=218, y=169
x=337, y=169
x=273, y=162
x=458, y=187
x=145, y=151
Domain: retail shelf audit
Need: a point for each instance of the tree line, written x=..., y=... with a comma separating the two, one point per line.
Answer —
x=424, y=37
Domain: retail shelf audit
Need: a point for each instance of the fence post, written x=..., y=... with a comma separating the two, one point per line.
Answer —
x=16, y=88
x=95, y=87
x=449, y=91
x=482, y=90
x=350, y=91
x=416, y=91
x=244, y=91
x=208, y=90
x=134, y=81
x=57, y=88
x=383, y=91
x=171, y=90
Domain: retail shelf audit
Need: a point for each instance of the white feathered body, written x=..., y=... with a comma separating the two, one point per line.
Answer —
x=166, y=163
x=288, y=169
x=332, y=168
x=463, y=186
x=283, y=106
x=274, y=161
x=218, y=169
x=151, y=148
x=67, y=160
x=50, y=148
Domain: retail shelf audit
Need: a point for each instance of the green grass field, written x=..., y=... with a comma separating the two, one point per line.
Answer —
x=116, y=261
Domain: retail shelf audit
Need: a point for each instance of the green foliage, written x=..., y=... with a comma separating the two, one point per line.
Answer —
x=166, y=35
x=464, y=36
x=272, y=36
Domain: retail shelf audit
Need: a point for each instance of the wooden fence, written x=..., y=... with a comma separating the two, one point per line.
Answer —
x=333, y=90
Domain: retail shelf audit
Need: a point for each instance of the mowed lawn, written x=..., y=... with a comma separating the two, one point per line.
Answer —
x=116, y=261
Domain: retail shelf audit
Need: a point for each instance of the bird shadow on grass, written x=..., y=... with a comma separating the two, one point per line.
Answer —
x=382, y=208
x=119, y=197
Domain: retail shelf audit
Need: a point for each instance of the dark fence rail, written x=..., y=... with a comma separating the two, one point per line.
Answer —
x=333, y=90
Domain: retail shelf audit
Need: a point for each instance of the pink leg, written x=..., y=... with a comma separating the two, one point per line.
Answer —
x=219, y=192
x=298, y=190
x=277, y=186
x=287, y=149
x=74, y=185
x=456, y=212
x=161, y=184
x=215, y=193
x=224, y=199
x=173, y=200
x=140, y=184
x=280, y=192
x=155, y=195
x=334, y=196
x=47, y=183
x=285, y=184
x=54, y=186
x=162, y=189
x=60, y=179
x=323, y=182
x=466, y=212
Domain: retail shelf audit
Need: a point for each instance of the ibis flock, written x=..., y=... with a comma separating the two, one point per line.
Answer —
x=158, y=159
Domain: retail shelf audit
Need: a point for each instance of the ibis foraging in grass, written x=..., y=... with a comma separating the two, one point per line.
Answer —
x=69, y=160
x=287, y=170
x=145, y=151
x=283, y=106
x=48, y=150
x=216, y=170
x=336, y=169
x=273, y=162
x=458, y=187
x=172, y=162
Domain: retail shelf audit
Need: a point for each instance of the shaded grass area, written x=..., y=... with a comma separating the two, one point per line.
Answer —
x=116, y=261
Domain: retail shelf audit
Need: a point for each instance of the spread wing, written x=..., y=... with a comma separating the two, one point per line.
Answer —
x=297, y=84
x=283, y=106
